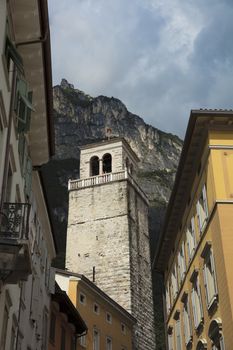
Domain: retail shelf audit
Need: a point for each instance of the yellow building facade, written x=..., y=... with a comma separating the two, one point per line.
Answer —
x=109, y=325
x=196, y=246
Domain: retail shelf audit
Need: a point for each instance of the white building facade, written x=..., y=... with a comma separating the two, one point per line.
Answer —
x=26, y=142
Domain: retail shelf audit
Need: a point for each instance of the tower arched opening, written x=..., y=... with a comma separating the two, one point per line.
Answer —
x=107, y=163
x=94, y=166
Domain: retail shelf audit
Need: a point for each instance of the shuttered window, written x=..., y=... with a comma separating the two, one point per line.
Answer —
x=196, y=303
x=202, y=209
x=178, y=335
x=210, y=281
x=191, y=239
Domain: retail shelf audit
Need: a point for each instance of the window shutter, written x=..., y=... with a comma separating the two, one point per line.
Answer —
x=199, y=216
x=52, y=280
x=167, y=300
x=205, y=200
x=193, y=233
x=199, y=299
x=183, y=259
x=194, y=307
x=28, y=177
x=35, y=298
x=214, y=272
x=12, y=52
x=206, y=284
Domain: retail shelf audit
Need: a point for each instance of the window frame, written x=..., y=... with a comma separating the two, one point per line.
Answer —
x=198, y=315
x=202, y=209
x=211, y=292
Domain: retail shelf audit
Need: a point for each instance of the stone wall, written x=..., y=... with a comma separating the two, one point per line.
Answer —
x=108, y=230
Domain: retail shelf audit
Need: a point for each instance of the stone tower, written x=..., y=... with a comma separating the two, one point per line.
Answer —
x=107, y=235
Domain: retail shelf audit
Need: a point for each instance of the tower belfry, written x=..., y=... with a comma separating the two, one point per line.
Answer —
x=107, y=234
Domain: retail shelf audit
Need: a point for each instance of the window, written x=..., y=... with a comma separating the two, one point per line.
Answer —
x=187, y=320
x=174, y=282
x=181, y=263
x=170, y=339
x=82, y=298
x=96, y=308
x=168, y=300
x=94, y=166
x=202, y=209
x=108, y=317
x=178, y=335
x=108, y=343
x=215, y=334
x=191, y=239
x=107, y=163
x=63, y=338
x=196, y=302
x=45, y=330
x=202, y=344
x=123, y=328
x=209, y=276
x=83, y=340
x=52, y=327
x=11, y=53
x=96, y=340
x=13, y=333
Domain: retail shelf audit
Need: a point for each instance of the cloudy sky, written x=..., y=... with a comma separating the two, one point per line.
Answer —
x=160, y=57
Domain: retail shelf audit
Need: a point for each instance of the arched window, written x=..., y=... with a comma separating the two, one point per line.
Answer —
x=215, y=334
x=201, y=345
x=107, y=163
x=94, y=166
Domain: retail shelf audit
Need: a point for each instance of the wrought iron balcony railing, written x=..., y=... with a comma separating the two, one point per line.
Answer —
x=14, y=221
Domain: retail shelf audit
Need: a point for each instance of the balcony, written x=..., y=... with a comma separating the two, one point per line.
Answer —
x=106, y=178
x=15, y=260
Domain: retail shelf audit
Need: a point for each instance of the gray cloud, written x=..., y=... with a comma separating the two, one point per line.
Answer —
x=160, y=57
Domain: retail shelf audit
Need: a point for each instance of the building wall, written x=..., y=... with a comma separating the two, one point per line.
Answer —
x=215, y=173
x=120, y=340
x=61, y=323
x=27, y=305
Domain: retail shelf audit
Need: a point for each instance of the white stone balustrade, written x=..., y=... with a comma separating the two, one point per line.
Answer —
x=105, y=178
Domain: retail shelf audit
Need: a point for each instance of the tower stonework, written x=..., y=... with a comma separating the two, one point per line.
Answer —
x=107, y=234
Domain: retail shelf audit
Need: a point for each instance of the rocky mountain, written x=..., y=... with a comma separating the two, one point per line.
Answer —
x=81, y=119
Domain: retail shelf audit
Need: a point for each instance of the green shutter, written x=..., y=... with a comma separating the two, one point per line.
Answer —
x=23, y=106
x=12, y=52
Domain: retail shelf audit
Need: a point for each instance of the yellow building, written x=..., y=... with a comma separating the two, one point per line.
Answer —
x=109, y=325
x=196, y=247
x=66, y=325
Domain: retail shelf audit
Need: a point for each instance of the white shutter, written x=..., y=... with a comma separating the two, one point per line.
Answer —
x=214, y=272
x=188, y=244
x=199, y=299
x=206, y=284
x=205, y=200
x=193, y=234
x=51, y=282
x=183, y=259
x=194, y=307
x=35, y=298
x=167, y=300
x=199, y=216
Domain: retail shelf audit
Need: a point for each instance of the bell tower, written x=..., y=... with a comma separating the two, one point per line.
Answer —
x=107, y=234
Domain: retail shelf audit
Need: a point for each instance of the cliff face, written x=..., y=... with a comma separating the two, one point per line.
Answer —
x=80, y=119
